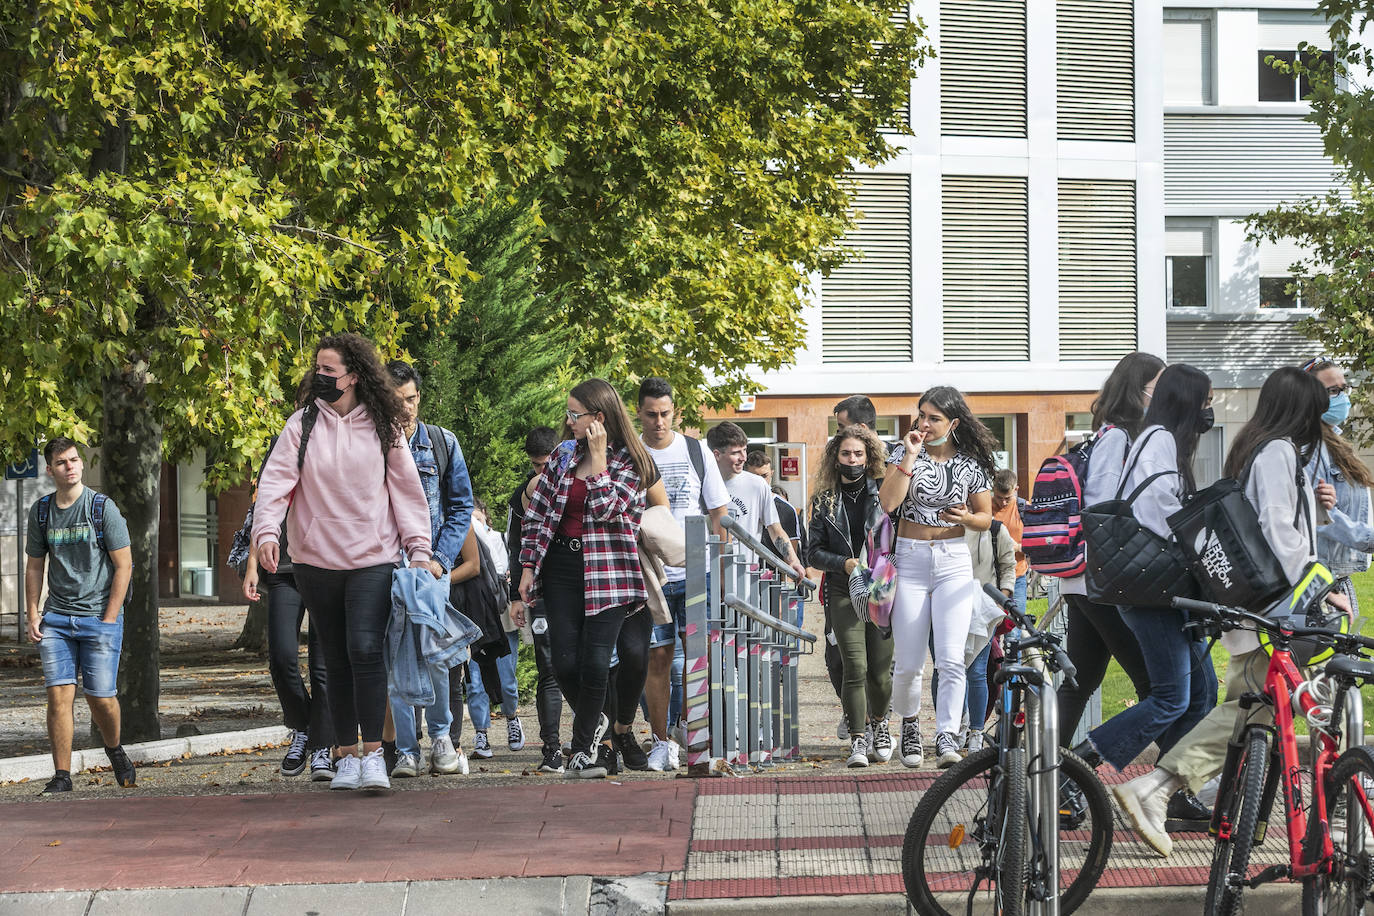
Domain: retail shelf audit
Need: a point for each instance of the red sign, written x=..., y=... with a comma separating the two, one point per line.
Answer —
x=791, y=467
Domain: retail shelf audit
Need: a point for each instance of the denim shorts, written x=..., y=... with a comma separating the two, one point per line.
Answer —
x=85, y=644
x=675, y=595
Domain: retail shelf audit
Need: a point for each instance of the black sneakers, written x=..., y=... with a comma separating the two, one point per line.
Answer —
x=631, y=754
x=124, y=772
x=61, y=782
x=390, y=755
x=293, y=764
x=553, y=759
x=582, y=766
x=1186, y=814
x=607, y=757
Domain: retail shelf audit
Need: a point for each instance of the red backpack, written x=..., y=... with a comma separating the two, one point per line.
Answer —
x=1052, y=533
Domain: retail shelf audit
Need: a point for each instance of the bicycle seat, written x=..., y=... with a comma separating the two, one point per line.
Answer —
x=1357, y=669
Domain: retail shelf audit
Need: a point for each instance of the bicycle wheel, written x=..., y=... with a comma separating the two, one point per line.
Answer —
x=1085, y=831
x=965, y=846
x=1231, y=856
x=1349, y=786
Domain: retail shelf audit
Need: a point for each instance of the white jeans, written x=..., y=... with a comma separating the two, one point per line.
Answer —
x=935, y=587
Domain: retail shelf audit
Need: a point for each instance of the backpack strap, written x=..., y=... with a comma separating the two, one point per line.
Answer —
x=698, y=459
x=440, y=446
x=996, y=529
x=44, y=512
x=1130, y=466
x=98, y=518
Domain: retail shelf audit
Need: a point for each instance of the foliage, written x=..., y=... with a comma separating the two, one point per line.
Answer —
x=500, y=366
x=1338, y=228
x=203, y=187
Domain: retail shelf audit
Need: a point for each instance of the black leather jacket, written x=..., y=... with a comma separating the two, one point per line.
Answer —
x=827, y=533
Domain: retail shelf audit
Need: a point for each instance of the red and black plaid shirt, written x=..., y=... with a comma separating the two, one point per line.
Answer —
x=610, y=525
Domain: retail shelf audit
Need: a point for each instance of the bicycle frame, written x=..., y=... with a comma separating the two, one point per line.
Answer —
x=1309, y=834
x=1029, y=686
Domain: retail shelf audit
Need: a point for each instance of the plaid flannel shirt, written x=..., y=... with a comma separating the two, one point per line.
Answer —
x=610, y=554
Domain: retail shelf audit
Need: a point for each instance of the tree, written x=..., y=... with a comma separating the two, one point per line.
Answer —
x=499, y=367
x=1338, y=228
x=191, y=192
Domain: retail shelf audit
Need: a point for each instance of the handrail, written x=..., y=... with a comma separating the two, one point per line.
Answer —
x=764, y=553
x=765, y=618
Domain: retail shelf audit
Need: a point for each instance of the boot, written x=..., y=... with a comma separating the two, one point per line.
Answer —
x=1186, y=814
x=1087, y=752
x=1145, y=801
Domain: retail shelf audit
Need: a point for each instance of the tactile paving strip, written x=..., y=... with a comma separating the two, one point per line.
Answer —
x=765, y=836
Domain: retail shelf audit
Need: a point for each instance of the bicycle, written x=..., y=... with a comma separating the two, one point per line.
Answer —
x=1328, y=831
x=984, y=823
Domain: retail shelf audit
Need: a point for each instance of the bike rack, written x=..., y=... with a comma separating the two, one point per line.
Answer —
x=740, y=673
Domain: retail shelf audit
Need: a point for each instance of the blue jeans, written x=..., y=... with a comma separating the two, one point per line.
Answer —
x=977, y=689
x=73, y=643
x=438, y=715
x=1183, y=688
x=505, y=667
x=479, y=705
x=675, y=595
x=1019, y=593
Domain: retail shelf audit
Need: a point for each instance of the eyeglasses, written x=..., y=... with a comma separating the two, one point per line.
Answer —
x=574, y=416
x=1335, y=390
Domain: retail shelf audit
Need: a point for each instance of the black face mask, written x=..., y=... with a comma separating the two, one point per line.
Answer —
x=1209, y=419
x=852, y=472
x=326, y=388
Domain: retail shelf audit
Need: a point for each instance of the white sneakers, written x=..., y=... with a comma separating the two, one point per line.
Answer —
x=347, y=772
x=858, y=751
x=406, y=766
x=373, y=772
x=975, y=742
x=1145, y=802
x=663, y=756
x=912, y=752
x=880, y=740
x=444, y=757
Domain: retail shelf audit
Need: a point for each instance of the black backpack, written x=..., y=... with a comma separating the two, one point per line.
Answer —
x=482, y=599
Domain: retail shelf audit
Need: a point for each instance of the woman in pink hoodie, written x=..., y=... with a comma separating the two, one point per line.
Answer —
x=343, y=468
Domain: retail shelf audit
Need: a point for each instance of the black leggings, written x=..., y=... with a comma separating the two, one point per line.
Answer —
x=302, y=710
x=350, y=608
x=548, y=699
x=629, y=675
x=581, y=644
x=1096, y=634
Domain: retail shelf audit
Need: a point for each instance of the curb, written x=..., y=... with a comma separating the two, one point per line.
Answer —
x=39, y=766
x=1270, y=899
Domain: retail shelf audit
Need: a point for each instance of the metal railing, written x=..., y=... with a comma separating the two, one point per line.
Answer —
x=742, y=645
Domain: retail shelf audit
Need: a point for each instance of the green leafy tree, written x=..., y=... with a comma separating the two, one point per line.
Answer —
x=1337, y=228
x=191, y=192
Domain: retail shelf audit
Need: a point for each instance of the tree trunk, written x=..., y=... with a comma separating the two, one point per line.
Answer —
x=132, y=446
x=253, y=636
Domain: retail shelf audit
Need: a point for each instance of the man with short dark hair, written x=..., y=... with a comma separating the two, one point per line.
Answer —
x=759, y=463
x=548, y=701
x=856, y=409
x=444, y=476
x=753, y=505
x=81, y=629
x=694, y=487
x=1006, y=508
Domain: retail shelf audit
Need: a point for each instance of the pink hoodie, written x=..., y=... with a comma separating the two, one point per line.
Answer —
x=343, y=516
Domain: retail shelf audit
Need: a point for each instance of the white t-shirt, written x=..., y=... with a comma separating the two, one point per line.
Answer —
x=685, y=488
x=751, y=503
x=496, y=544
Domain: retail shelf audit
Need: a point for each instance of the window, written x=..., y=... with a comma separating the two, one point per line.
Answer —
x=982, y=58
x=1078, y=427
x=1095, y=69
x=1278, y=287
x=1187, y=57
x=1187, y=264
x=886, y=428
x=1003, y=429
x=1097, y=269
x=985, y=260
x=1281, y=32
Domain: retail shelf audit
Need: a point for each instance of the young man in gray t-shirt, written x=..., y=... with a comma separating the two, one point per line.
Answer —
x=81, y=628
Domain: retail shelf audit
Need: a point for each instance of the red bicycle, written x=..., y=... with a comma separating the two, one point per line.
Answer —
x=1329, y=833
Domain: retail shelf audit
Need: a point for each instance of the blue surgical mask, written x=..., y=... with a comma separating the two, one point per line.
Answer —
x=937, y=442
x=1338, y=410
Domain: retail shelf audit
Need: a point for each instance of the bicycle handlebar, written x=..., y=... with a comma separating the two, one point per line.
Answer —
x=1232, y=618
x=1039, y=638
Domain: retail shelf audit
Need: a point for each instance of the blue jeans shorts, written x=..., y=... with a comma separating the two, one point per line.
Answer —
x=87, y=644
x=675, y=595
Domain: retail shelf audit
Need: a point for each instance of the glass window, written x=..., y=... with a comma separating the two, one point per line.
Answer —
x=1003, y=429
x=1280, y=293
x=1275, y=85
x=1078, y=427
x=1185, y=282
x=886, y=428
x=760, y=432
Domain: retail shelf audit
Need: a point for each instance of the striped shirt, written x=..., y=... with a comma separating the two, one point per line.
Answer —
x=610, y=525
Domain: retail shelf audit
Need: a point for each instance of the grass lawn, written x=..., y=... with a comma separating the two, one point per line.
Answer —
x=1117, y=692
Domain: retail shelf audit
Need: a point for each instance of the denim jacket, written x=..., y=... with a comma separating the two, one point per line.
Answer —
x=449, y=498
x=425, y=629
x=1343, y=544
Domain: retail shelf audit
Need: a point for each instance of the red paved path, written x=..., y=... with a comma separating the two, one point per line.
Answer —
x=324, y=837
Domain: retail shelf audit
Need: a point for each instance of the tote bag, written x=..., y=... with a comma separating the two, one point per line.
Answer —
x=1220, y=534
x=1128, y=564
